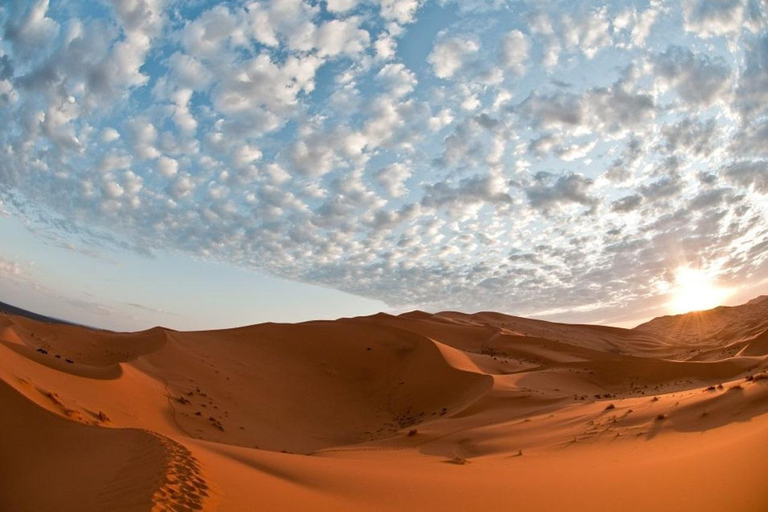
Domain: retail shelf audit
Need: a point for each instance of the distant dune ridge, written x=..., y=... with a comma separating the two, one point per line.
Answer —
x=446, y=411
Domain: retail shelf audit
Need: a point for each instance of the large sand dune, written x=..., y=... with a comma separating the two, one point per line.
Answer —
x=413, y=412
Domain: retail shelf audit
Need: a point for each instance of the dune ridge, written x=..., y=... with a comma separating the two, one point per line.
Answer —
x=419, y=411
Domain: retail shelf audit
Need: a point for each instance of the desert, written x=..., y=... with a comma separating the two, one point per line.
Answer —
x=419, y=411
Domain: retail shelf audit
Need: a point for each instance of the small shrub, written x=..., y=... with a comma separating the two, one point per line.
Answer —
x=216, y=423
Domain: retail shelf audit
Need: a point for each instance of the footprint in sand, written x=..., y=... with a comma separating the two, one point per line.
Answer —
x=184, y=488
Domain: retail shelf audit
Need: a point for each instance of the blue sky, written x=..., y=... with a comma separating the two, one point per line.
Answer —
x=203, y=164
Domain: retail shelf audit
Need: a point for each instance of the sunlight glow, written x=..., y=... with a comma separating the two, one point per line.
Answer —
x=693, y=291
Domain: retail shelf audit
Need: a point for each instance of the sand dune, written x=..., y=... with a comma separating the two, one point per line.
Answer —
x=449, y=411
x=716, y=331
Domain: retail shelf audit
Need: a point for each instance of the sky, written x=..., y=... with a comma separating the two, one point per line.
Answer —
x=201, y=164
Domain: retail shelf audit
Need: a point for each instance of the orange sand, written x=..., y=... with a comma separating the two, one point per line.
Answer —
x=413, y=412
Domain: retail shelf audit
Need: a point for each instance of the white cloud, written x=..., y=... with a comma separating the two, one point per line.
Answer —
x=441, y=119
x=258, y=94
x=109, y=135
x=245, y=155
x=449, y=55
x=181, y=187
x=397, y=79
x=392, y=178
x=541, y=26
x=588, y=34
x=341, y=6
x=400, y=11
x=112, y=189
x=286, y=21
x=338, y=37
x=215, y=30
x=385, y=47
x=189, y=72
x=698, y=80
x=749, y=174
x=709, y=19
x=514, y=52
x=29, y=29
x=547, y=191
x=167, y=167
x=9, y=268
x=143, y=135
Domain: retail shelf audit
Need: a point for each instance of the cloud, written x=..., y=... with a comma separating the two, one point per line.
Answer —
x=167, y=167
x=548, y=191
x=466, y=197
x=748, y=174
x=669, y=186
x=143, y=136
x=450, y=55
x=400, y=11
x=691, y=136
x=514, y=52
x=109, y=135
x=181, y=187
x=698, y=80
x=341, y=6
x=752, y=91
x=709, y=19
x=9, y=268
x=392, y=178
x=149, y=309
x=638, y=24
x=609, y=109
x=258, y=92
x=28, y=27
x=588, y=33
x=627, y=204
x=397, y=79
x=338, y=37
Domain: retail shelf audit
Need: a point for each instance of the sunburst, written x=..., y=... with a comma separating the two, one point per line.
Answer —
x=694, y=290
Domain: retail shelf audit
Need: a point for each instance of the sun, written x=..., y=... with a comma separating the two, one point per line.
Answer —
x=694, y=291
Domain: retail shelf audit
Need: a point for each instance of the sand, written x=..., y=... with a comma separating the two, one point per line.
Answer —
x=420, y=411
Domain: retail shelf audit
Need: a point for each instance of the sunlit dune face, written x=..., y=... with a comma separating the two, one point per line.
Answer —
x=694, y=291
